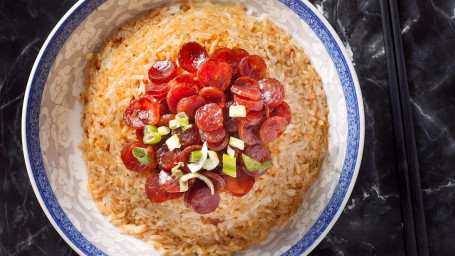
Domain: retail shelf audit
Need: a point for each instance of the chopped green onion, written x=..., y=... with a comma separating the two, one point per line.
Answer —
x=178, y=173
x=212, y=162
x=173, y=142
x=173, y=124
x=151, y=136
x=251, y=164
x=182, y=119
x=230, y=151
x=195, y=156
x=194, y=167
x=204, y=178
x=237, y=111
x=141, y=155
x=175, y=168
x=163, y=130
x=229, y=165
x=265, y=165
x=234, y=142
x=183, y=186
x=89, y=56
x=186, y=127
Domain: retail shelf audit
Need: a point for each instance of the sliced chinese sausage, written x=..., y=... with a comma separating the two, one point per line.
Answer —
x=217, y=146
x=185, y=155
x=182, y=79
x=272, y=92
x=249, y=134
x=216, y=73
x=240, y=185
x=239, y=54
x=213, y=136
x=284, y=111
x=164, y=120
x=159, y=91
x=252, y=118
x=231, y=124
x=191, y=56
x=253, y=66
x=209, y=117
x=131, y=162
x=272, y=128
x=251, y=105
x=202, y=201
x=177, y=93
x=227, y=55
x=189, y=105
x=246, y=87
x=153, y=190
x=168, y=182
x=167, y=159
x=164, y=109
x=162, y=71
x=213, y=95
x=218, y=182
x=141, y=112
x=188, y=137
x=260, y=154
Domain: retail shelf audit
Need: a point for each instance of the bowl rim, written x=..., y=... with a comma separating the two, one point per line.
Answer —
x=71, y=20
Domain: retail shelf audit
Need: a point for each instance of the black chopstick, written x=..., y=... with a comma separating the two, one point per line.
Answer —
x=408, y=171
x=411, y=149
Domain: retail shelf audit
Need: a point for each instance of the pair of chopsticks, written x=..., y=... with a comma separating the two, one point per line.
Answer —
x=408, y=167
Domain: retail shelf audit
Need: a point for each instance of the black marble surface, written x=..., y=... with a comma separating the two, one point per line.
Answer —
x=371, y=223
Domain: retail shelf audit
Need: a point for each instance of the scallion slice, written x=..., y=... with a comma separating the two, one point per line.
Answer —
x=202, y=177
x=229, y=165
x=251, y=164
x=182, y=119
x=141, y=155
x=183, y=186
x=186, y=127
x=175, y=168
x=173, y=124
x=238, y=143
x=230, y=151
x=237, y=111
x=195, y=156
x=163, y=130
x=212, y=162
x=151, y=135
x=173, y=142
x=194, y=167
x=265, y=165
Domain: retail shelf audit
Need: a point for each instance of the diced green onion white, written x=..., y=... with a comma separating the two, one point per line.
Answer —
x=202, y=177
x=173, y=142
x=229, y=165
x=230, y=151
x=173, y=124
x=163, y=130
x=238, y=143
x=212, y=162
x=237, y=111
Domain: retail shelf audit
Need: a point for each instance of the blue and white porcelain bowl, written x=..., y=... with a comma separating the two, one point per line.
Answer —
x=51, y=129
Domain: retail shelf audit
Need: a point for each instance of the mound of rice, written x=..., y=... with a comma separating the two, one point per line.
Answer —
x=117, y=75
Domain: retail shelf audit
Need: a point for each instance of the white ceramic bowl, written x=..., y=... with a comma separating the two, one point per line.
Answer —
x=51, y=127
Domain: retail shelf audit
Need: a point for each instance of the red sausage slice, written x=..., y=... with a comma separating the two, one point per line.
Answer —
x=216, y=73
x=177, y=93
x=260, y=154
x=188, y=137
x=239, y=55
x=251, y=105
x=284, y=111
x=141, y=112
x=272, y=128
x=185, y=156
x=202, y=201
x=209, y=117
x=131, y=162
x=219, y=145
x=272, y=92
x=164, y=120
x=252, y=118
x=167, y=159
x=159, y=91
x=153, y=190
x=213, y=95
x=218, y=182
x=168, y=182
x=189, y=105
x=253, y=66
x=231, y=124
x=213, y=136
x=229, y=56
x=191, y=56
x=182, y=79
x=246, y=87
x=240, y=185
x=162, y=71
x=249, y=134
